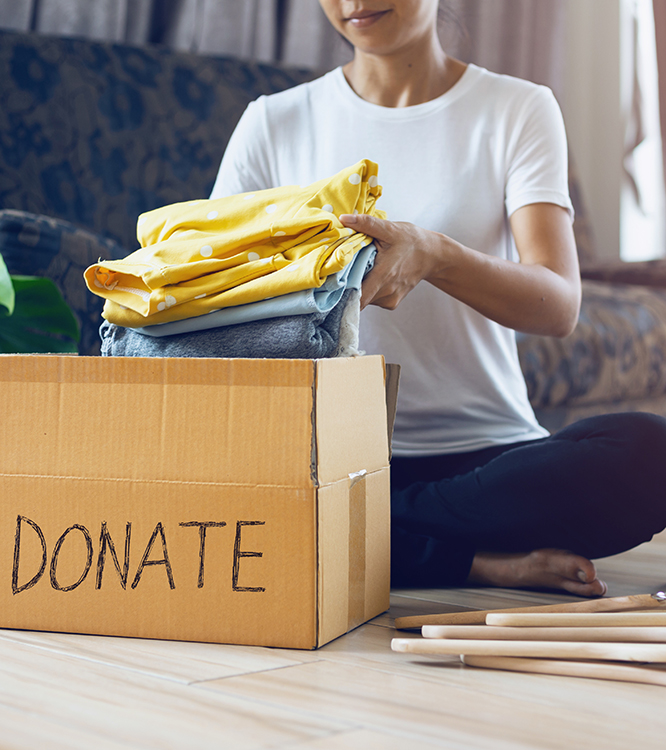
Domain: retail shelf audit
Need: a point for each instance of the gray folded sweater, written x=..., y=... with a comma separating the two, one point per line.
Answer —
x=314, y=336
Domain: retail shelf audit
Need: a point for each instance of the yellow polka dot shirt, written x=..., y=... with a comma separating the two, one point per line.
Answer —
x=200, y=256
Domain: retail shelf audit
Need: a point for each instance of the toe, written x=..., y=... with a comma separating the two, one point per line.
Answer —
x=592, y=589
x=585, y=570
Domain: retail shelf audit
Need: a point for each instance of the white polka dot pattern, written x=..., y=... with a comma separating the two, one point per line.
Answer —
x=169, y=301
x=173, y=236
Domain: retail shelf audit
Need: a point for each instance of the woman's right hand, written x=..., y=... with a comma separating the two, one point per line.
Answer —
x=541, y=294
x=406, y=254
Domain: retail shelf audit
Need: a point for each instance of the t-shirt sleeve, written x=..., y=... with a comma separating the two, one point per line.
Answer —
x=245, y=165
x=537, y=168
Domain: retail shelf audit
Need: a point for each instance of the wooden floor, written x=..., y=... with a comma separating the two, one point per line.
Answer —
x=70, y=691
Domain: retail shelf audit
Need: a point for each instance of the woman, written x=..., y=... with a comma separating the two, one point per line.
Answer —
x=479, y=245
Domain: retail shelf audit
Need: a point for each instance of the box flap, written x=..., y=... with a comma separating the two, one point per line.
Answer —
x=351, y=420
x=200, y=420
x=392, y=384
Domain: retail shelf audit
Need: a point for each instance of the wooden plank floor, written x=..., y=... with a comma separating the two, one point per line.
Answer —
x=72, y=691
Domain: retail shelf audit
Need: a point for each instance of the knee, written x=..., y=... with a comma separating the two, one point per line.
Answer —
x=627, y=451
x=619, y=465
x=643, y=436
x=635, y=434
x=638, y=442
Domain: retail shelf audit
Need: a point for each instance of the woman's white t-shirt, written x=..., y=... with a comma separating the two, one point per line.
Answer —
x=460, y=164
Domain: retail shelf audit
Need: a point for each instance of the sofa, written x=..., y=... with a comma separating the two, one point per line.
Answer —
x=92, y=134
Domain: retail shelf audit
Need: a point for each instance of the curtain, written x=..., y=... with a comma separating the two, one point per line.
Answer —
x=247, y=29
x=634, y=116
x=524, y=38
x=15, y=15
x=518, y=37
x=660, y=31
x=115, y=20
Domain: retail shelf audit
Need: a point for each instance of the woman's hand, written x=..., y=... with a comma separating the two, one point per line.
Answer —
x=406, y=254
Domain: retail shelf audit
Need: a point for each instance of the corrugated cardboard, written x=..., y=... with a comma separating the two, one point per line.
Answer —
x=232, y=501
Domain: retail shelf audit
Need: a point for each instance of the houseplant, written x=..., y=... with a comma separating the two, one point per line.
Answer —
x=34, y=317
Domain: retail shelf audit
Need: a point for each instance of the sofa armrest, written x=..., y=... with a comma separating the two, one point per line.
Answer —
x=643, y=273
x=36, y=245
x=617, y=351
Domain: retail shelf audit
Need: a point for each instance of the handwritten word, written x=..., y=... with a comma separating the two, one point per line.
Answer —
x=107, y=548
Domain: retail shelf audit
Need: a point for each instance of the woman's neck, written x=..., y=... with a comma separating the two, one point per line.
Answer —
x=405, y=78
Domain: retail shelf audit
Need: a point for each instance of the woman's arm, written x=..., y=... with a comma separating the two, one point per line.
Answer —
x=541, y=294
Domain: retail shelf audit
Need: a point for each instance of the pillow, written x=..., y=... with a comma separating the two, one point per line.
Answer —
x=616, y=353
x=35, y=245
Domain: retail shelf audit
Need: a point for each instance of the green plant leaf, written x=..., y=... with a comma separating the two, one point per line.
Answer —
x=6, y=290
x=41, y=321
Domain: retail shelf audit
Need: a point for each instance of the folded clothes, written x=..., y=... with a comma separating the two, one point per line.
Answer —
x=314, y=336
x=320, y=300
x=201, y=256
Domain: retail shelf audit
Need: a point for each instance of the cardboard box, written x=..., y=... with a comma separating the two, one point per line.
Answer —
x=232, y=501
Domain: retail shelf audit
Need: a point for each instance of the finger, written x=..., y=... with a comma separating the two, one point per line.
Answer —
x=368, y=290
x=371, y=288
x=378, y=229
x=387, y=302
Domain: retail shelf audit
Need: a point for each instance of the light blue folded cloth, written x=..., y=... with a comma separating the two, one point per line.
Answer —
x=320, y=300
x=313, y=336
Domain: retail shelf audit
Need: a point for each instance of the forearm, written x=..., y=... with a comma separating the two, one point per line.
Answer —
x=541, y=294
x=531, y=298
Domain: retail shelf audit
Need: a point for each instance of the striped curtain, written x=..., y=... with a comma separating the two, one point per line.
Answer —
x=660, y=30
x=519, y=37
x=115, y=20
x=524, y=38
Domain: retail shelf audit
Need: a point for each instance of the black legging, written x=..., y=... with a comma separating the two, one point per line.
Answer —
x=596, y=488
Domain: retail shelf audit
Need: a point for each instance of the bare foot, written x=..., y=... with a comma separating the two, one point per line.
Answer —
x=541, y=569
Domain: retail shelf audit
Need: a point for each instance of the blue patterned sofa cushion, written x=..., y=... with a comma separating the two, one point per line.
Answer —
x=97, y=133
x=35, y=245
x=617, y=352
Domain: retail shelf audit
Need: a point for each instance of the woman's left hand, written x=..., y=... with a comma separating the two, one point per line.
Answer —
x=405, y=256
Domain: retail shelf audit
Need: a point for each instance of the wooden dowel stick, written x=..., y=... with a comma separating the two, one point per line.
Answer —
x=584, y=619
x=478, y=617
x=595, y=670
x=483, y=632
x=643, y=652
